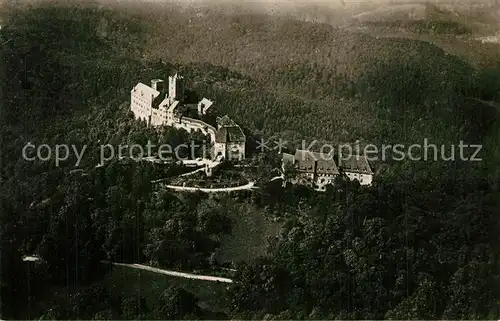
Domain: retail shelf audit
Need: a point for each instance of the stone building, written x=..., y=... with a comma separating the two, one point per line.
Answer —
x=229, y=140
x=203, y=106
x=143, y=99
x=159, y=105
x=313, y=169
x=357, y=167
x=176, y=88
x=156, y=104
x=318, y=170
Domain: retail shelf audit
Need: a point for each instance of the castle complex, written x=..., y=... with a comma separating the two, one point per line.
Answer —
x=158, y=105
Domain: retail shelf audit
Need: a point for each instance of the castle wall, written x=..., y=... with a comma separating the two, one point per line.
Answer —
x=158, y=117
x=191, y=125
x=165, y=114
x=140, y=106
x=196, y=124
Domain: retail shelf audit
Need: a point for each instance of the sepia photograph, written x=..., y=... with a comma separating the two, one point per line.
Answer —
x=250, y=160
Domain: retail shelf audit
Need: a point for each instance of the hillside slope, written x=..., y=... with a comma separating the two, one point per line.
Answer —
x=291, y=68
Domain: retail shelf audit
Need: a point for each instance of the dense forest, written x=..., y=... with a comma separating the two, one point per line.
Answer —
x=421, y=243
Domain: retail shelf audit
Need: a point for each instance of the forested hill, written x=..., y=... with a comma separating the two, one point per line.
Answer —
x=319, y=72
x=421, y=243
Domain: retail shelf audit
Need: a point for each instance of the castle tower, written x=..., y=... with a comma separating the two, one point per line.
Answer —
x=176, y=87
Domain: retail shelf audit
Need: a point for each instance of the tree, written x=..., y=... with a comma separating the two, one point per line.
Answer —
x=260, y=286
x=134, y=308
x=212, y=218
x=175, y=303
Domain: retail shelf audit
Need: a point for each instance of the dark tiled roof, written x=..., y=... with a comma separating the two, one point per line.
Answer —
x=302, y=155
x=312, y=162
x=305, y=161
x=355, y=163
x=230, y=134
x=306, y=165
x=158, y=100
x=326, y=167
x=191, y=106
x=225, y=121
x=325, y=164
x=324, y=156
x=307, y=155
x=288, y=158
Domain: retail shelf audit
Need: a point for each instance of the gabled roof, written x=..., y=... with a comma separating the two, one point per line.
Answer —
x=306, y=155
x=228, y=131
x=225, y=121
x=206, y=104
x=146, y=91
x=306, y=165
x=288, y=158
x=230, y=134
x=355, y=163
x=323, y=164
x=304, y=161
x=326, y=167
x=303, y=155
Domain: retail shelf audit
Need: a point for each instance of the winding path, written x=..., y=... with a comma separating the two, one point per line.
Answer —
x=248, y=186
x=191, y=162
x=175, y=273
x=277, y=177
x=206, y=163
x=199, y=170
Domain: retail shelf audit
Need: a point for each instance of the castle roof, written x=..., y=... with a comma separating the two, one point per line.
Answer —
x=230, y=134
x=225, y=121
x=146, y=91
x=228, y=131
x=206, y=103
